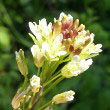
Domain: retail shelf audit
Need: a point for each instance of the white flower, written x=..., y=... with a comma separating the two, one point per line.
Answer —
x=63, y=15
x=91, y=50
x=80, y=39
x=91, y=38
x=46, y=29
x=84, y=42
x=63, y=97
x=35, y=83
x=37, y=55
x=95, y=48
x=49, y=45
x=61, y=53
x=34, y=29
x=53, y=50
x=84, y=64
x=75, y=67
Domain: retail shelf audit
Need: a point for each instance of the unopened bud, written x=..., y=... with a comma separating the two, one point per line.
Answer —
x=76, y=23
x=21, y=61
x=88, y=32
x=81, y=27
x=56, y=28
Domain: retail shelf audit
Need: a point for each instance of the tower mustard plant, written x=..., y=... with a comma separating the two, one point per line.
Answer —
x=65, y=42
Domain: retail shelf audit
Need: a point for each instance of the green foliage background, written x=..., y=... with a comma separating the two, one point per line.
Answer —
x=92, y=87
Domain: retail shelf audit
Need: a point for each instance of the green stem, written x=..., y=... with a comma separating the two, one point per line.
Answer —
x=46, y=105
x=31, y=101
x=24, y=103
x=54, y=84
x=38, y=72
x=44, y=71
x=65, y=60
x=25, y=83
x=35, y=100
x=51, y=80
x=52, y=69
x=54, y=75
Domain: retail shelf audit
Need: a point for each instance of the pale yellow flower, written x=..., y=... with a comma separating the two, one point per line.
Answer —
x=54, y=49
x=37, y=55
x=42, y=32
x=35, y=83
x=64, y=37
x=91, y=50
x=50, y=45
x=75, y=67
x=63, y=97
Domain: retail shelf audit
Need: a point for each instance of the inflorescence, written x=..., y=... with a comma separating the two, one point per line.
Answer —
x=64, y=42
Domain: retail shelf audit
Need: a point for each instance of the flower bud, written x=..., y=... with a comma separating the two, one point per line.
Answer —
x=37, y=55
x=56, y=28
x=81, y=27
x=35, y=84
x=76, y=23
x=63, y=97
x=21, y=61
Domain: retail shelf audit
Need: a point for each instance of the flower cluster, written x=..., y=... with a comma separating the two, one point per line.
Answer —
x=63, y=42
x=65, y=38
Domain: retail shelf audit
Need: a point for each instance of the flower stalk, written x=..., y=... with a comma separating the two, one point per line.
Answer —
x=45, y=84
x=52, y=86
x=46, y=105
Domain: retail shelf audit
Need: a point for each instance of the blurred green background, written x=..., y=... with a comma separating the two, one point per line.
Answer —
x=93, y=87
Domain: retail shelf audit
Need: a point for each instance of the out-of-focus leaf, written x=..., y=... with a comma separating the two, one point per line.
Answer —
x=5, y=38
x=101, y=36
